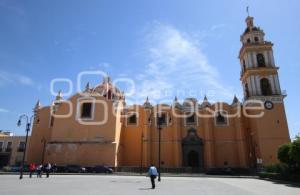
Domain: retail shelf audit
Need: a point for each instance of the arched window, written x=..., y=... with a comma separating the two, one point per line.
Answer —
x=260, y=60
x=265, y=87
x=246, y=90
x=161, y=119
x=191, y=118
x=109, y=94
x=256, y=39
x=132, y=119
x=248, y=40
x=86, y=110
x=221, y=118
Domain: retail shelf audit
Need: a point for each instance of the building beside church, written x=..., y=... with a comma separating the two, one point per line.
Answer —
x=96, y=128
x=11, y=148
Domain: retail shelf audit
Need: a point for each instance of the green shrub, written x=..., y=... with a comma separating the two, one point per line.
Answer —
x=277, y=168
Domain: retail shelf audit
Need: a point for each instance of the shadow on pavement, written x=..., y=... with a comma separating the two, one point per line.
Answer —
x=145, y=188
x=286, y=183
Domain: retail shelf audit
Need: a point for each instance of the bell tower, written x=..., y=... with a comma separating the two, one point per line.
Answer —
x=260, y=81
x=259, y=73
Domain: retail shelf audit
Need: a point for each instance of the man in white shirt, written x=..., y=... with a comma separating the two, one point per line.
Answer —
x=153, y=174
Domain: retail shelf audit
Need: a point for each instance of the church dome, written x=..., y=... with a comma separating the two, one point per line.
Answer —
x=108, y=90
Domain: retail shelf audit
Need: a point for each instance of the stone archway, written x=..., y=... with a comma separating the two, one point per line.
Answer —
x=192, y=148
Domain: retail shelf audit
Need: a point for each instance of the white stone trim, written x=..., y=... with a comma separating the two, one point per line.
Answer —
x=258, y=85
x=249, y=86
x=272, y=58
x=248, y=60
x=277, y=83
x=254, y=59
x=253, y=85
x=266, y=56
x=271, y=81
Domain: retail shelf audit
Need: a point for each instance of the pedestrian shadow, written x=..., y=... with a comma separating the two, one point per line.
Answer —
x=145, y=188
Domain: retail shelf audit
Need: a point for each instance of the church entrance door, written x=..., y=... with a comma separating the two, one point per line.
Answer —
x=192, y=150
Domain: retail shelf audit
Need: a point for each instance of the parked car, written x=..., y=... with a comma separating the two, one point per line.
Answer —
x=61, y=169
x=14, y=168
x=102, y=169
x=6, y=168
x=89, y=169
x=74, y=169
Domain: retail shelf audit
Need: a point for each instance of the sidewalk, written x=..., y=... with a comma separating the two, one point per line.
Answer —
x=143, y=174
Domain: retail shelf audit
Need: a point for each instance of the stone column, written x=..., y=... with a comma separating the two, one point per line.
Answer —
x=209, y=148
x=240, y=138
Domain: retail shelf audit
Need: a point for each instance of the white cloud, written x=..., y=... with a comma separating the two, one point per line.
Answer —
x=217, y=27
x=13, y=78
x=104, y=65
x=176, y=62
x=3, y=110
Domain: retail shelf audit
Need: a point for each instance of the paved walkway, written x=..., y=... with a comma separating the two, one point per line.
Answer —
x=132, y=185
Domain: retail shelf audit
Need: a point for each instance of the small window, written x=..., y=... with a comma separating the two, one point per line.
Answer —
x=21, y=147
x=248, y=40
x=132, y=119
x=86, y=110
x=221, y=118
x=256, y=39
x=51, y=121
x=9, y=147
x=161, y=119
x=18, y=160
x=260, y=60
x=190, y=119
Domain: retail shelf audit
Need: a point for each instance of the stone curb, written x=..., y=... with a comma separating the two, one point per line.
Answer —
x=142, y=175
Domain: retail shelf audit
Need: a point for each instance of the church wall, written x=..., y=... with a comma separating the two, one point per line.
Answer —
x=69, y=134
x=40, y=132
x=131, y=143
x=85, y=154
x=272, y=131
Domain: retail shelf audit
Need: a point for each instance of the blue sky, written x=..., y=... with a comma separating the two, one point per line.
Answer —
x=168, y=45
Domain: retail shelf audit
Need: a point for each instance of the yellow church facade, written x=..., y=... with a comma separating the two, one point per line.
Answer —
x=95, y=127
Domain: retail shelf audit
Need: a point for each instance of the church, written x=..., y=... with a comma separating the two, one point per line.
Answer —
x=95, y=127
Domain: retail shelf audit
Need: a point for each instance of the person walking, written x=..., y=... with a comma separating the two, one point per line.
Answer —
x=48, y=169
x=39, y=170
x=31, y=169
x=54, y=168
x=152, y=174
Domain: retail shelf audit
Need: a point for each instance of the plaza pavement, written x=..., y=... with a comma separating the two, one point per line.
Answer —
x=132, y=185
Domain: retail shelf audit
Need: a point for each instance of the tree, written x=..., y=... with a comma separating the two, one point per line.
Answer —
x=284, y=154
x=290, y=153
x=294, y=152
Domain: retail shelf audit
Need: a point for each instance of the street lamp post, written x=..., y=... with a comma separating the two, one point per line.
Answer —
x=28, y=125
x=159, y=124
x=44, y=147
